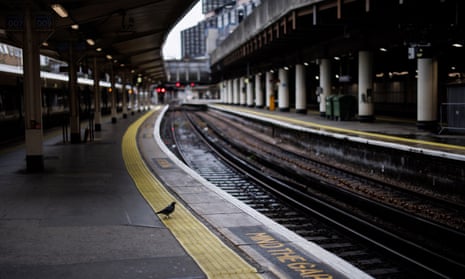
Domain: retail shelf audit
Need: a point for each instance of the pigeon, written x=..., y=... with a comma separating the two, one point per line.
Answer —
x=167, y=210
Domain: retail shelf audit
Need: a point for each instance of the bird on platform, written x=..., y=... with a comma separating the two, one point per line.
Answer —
x=167, y=210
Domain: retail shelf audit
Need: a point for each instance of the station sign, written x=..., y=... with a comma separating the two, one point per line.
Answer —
x=14, y=23
x=42, y=22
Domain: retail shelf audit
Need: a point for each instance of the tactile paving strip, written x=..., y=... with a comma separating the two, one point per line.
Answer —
x=215, y=258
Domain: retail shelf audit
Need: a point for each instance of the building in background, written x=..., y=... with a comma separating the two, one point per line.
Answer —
x=194, y=39
x=221, y=18
x=192, y=71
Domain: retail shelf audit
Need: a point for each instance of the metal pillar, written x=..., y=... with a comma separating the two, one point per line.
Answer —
x=235, y=91
x=229, y=91
x=300, y=89
x=249, y=92
x=269, y=88
x=427, y=96
x=242, y=98
x=74, y=122
x=124, y=97
x=283, y=91
x=133, y=99
x=113, y=97
x=223, y=92
x=32, y=97
x=258, y=91
x=97, y=98
x=325, y=84
x=365, y=86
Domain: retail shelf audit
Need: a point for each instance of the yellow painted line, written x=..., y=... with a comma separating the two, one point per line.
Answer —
x=348, y=131
x=215, y=258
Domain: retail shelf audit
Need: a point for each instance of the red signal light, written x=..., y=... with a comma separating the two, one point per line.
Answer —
x=192, y=84
x=178, y=84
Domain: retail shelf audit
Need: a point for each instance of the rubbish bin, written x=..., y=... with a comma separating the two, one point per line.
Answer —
x=329, y=107
x=344, y=107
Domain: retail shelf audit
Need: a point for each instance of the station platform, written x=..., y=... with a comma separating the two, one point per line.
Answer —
x=91, y=214
x=401, y=134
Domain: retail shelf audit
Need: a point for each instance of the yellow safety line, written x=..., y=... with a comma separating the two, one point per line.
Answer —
x=215, y=258
x=348, y=131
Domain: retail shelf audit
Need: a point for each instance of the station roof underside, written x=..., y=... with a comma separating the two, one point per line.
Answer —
x=132, y=32
x=281, y=33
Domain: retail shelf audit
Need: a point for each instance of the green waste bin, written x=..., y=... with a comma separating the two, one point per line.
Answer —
x=344, y=107
x=329, y=107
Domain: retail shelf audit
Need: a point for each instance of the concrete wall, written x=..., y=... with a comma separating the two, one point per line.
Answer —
x=397, y=166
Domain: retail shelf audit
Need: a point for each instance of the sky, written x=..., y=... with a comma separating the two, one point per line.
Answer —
x=172, y=46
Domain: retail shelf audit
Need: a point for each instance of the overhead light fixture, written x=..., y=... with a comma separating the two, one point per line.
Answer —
x=99, y=49
x=109, y=57
x=457, y=45
x=75, y=26
x=60, y=10
x=382, y=49
x=90, y=42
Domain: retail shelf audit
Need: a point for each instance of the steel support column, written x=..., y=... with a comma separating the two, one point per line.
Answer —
x=259, y=102
x=300, y=89
x=365, y=86
x=325, y=84
x=283, y=91
x=113, y=97
x=249, y=93
x=97, y=98
x=74, y=121
x=427, y=96
x=32, y=97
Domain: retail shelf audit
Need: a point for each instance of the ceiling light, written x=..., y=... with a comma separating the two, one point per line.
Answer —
x=90, y=42
x=75, y=26
x=109, y=57
x=60, y=10
x=99, y=49
x=337, y=58
x=457, y=45
x=382, y=49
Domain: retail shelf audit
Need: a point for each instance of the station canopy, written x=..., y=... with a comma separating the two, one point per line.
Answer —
x=124, y=33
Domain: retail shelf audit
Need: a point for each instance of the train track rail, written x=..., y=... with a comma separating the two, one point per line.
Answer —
x=293, y=203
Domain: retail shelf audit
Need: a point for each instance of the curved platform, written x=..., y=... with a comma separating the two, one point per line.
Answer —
x=386, y=132
x=92, y=214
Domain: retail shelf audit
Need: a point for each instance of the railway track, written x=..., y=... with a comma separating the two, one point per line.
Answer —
x=294, y=206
